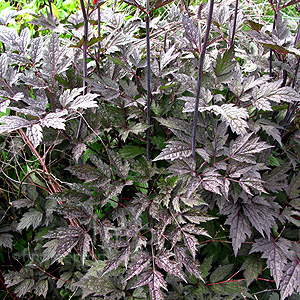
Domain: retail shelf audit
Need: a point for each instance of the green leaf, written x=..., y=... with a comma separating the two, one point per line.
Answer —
x=294, y=187
x=206, y=266
x=220, y=273
x=225, y=63
x=252, y=267
x=131, y=151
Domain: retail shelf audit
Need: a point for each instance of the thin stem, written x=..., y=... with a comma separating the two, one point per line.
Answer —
x=55, y=187
x=85, y=34
x=234, y=22
x=147, y=19
x=201, y=61
x=84, y=71
x=274, y=25
x=99, y=43
x=50, y=6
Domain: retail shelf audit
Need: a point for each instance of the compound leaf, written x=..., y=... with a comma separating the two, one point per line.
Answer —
x=276, y=253
x=31, y=218
x=291, y=278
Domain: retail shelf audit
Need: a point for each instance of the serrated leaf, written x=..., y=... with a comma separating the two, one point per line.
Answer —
x=35, y=134
x=64, y=232
x=23, y=40
x=197, y=217
x=141, y=261
x=225, y=62
x=116, y=161
x=271, y=129
x=155, y=281
x=191, y=31
x=18, y=59
x=167, y=57
x=24, y=287
x=78, y=150
x=206, y=266
x=8, y=35
x=64, y=247
x=41, y=288
x=32, y=80
x=174, y=150
x=6, y=240
x=84, y=101
x=35, y=51
x=293, y=189
x=12, y=123
x=291, y=279
x=114, y=262
x=183, y=258
x=68, y=96
x=212, y=181
x=92, y=284
x=12, y=277
x=134, y=128
x=54, y=58
x=242, y=149
x=102, y=166
x=234, y=117
x=170, y=266
x=129, y=151
x=261, y=215
x=256, y=183
x=272, y=91
x=191, y=242
x=54, y=120
x=65, y=239
x=31, y=218
x=84, y=246
x=276, y=253
x=239, y=227
x=183, y=166
x=252, y=267
x=4, y=104
x=220, y=273
x=50, y=249
x=3, y=65
x=231, y=114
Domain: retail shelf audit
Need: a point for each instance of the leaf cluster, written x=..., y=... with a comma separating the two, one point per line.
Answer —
x=88, y=214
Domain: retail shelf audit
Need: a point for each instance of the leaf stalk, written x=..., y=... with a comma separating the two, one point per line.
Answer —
x=200, y=69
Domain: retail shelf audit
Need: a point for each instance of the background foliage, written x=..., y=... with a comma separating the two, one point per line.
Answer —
x=114, y=185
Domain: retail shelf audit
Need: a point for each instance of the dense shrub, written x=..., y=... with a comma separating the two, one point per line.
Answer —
x=115, y=188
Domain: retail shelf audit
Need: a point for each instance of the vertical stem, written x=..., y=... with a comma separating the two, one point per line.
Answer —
x=274, y=25
x=99, y=43
x=147, y=19
x=85, y=36
x=234, y=22
x=84, y=71
x=201, y=61
x=50, y=6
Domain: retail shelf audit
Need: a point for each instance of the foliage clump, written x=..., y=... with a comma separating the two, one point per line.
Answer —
x=117, y=186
